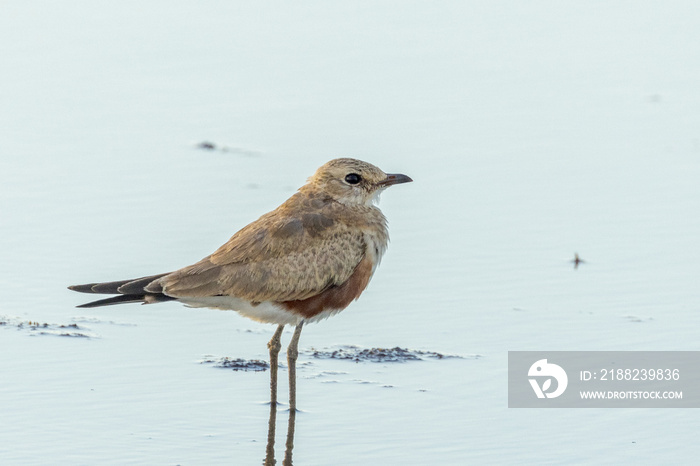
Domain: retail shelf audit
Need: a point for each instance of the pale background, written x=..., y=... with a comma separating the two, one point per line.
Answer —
x=532, y=129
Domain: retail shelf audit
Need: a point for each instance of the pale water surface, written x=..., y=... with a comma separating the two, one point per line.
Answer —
x=533, y=130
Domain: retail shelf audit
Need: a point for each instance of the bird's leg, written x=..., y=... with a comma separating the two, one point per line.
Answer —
x=274, y=345
x=292, y=353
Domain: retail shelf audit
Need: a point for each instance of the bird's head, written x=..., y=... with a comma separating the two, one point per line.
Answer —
x=352, y=181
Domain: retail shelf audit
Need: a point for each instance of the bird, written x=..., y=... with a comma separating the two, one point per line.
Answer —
x=305, y=261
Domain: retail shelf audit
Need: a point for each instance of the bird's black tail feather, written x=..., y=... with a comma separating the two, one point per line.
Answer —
x=128, y=298
x=129, y=291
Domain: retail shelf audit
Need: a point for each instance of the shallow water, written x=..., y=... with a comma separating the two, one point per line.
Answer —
x=532, y=131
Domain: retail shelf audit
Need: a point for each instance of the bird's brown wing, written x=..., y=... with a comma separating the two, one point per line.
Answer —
x=276, y=258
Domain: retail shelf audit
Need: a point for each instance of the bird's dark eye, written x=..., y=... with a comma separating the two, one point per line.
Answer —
x=353, y=178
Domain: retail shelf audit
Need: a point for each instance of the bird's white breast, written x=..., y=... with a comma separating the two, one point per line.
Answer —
x=265, y=312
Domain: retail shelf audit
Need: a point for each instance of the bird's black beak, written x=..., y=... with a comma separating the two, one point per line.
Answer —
x=394, y=178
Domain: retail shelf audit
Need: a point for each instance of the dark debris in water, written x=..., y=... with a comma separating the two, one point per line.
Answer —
x=237, y=364
x=395, y=354
x=206, y=145
x=211, y=146
x=44, y=328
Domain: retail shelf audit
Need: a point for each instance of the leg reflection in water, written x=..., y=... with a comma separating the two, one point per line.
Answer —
x=289, y=444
